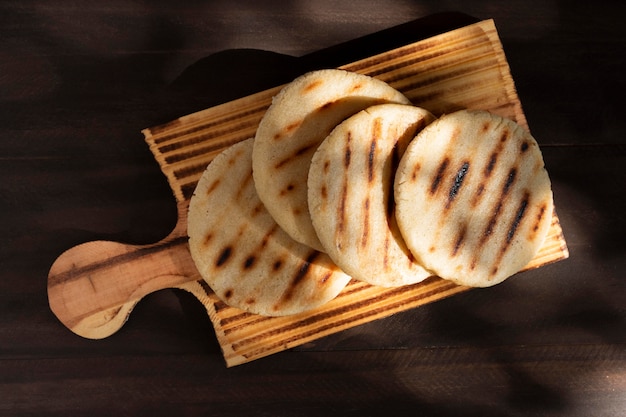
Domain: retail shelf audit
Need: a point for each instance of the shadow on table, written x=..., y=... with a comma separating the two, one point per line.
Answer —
x=232, y=74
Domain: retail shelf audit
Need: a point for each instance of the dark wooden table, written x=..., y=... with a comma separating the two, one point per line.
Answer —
x=78, y=81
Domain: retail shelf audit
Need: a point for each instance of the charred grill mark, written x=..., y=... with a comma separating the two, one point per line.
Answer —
x=491, y=164
x=370, y=160
x=487, y=171
x=324, y=192
x=494, y=271
x=341, y=215
x=538, y=218
x=213, y=186
x=521, y=210
x=376, y=134
x=293, y=126
x=493, y=158
x=458, y=181
x=416, y=170
x=542, y=211
x=519, y=215
x=498, y=208
x=286, y=130
x=356, y=86
x=366, y=221
x=491, y=224
x=312, y=85
x=439, y=176
x=509, y=181
x=228, y=293
x=456, y=133
x=268, y=235
x=207, y=239
x=277, y=264
x=294, y=157
x=324, y=278
x=341, y=211
x=249, y=262
x=459, y=240
x=524, y=147
x=479, y=192
x=224, y=256
x=287, y=189
x=257, y=209
x=473, y=263
x=232, y=160
x=304, y=150
x=485, y=127
x=326, y=167
x=247, y=182
x=348, y=152
x=386, y=247
x=303, y=270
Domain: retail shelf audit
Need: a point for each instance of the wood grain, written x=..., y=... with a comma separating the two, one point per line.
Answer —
x=93, y=287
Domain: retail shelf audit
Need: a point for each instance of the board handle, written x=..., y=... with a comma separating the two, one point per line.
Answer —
x=93, y=287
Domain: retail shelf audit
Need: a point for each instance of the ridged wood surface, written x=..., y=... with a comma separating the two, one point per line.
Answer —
x=464, y=68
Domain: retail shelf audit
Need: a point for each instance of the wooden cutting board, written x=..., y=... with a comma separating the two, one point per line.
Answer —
x=93, y=287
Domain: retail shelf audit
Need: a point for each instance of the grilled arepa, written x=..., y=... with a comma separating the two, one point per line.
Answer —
x=350, y=192
x=473, y=198
x=301, y=115
x=240, y=251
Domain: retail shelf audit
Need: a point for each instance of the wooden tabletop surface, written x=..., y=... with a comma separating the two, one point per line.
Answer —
x=80, y=80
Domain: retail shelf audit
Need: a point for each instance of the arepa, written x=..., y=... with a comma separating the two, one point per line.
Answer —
x=350, y=194
x=301, y=115
x=473, y=198
x=243, y=255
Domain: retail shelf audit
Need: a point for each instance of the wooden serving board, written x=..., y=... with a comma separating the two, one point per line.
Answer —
x=93, y=287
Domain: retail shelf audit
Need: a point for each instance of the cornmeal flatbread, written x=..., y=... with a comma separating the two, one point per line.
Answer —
x=350, y=192
x=240, y=251
x=473, y=198
x=302, y=114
